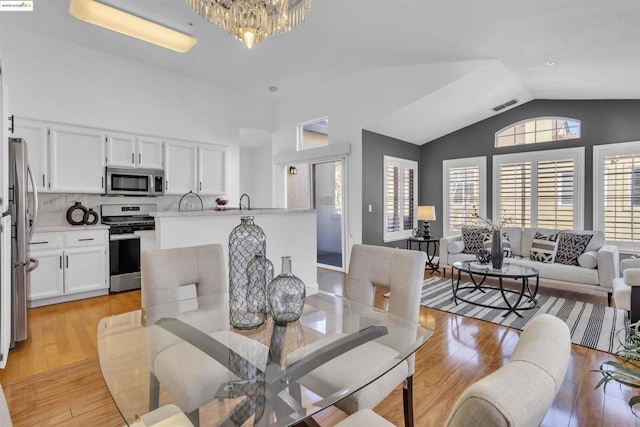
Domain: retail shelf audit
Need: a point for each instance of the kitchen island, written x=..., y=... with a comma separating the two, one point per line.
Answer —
x=289, y=232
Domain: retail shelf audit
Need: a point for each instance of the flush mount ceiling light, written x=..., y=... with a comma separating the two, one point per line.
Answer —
x=251, y=21
x=122, y=22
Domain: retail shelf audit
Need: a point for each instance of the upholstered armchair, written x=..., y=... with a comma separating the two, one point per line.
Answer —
x=626, y=289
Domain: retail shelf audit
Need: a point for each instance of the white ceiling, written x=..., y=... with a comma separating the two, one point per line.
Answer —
x=495, y=50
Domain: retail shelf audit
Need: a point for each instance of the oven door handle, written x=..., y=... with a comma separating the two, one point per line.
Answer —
x=126, y=236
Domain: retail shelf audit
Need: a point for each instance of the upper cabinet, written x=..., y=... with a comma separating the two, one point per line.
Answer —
x=212, y=170
x=4, y=147
x=126, y=150
x=35, y=134
x=180, y=172
x=77, y=159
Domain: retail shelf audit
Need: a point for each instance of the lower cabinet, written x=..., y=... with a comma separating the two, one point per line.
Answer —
x=71, y=265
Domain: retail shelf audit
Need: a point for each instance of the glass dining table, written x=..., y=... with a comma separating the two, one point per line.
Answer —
x=268, y=392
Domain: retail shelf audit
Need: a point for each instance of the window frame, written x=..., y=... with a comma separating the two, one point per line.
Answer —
x=600, y=152
x=391, y=236
x=575, y=153
x=536, y=120
x=447, y=165
x=300, y=133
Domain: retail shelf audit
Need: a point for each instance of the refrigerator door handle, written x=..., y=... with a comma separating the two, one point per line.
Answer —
x=32, y=264
x=34, y=218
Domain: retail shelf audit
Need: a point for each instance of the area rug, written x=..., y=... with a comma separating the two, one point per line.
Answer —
x=591, y=325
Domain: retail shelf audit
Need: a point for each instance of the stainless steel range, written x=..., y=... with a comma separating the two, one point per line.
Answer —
x=124, y=245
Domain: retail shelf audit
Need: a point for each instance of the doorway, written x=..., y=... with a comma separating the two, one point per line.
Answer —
x=320, y=186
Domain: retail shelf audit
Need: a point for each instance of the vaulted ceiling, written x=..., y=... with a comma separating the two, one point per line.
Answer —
x=478, y=53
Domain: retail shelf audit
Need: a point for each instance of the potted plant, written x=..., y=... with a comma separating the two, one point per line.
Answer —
x=627, y=370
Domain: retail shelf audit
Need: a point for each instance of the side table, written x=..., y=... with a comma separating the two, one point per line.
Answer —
x=431, y=249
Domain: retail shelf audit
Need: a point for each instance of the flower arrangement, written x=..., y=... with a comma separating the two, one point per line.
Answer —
x=493, y=225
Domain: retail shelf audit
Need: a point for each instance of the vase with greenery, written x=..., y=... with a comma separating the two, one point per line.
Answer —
x=497, y=255
x=626, y=370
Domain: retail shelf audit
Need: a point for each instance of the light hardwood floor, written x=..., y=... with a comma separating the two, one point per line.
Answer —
x=54, y=379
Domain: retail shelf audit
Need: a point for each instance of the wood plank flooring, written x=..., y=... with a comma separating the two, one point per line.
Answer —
x=54, y=378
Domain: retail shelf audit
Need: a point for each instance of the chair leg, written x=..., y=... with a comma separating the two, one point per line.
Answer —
x=194, y=417
x=407, y=398
x=154, y=392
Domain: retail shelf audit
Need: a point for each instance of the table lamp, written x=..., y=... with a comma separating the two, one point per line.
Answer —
x=426, y=214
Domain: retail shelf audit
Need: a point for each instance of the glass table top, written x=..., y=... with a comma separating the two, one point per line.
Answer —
x=263, y=369
x=507, y=270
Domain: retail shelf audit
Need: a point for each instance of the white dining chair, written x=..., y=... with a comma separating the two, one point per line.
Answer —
x=402, y=271
x=190, y=375
x=364, y=418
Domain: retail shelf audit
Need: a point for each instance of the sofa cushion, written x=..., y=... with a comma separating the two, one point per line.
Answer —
x=506, y=244
x=570, y=246
x=561, y=272
x=473, y=238
x=597, y=241
x=515, y=239
x=589, y=259
x=528, y=235
x=544, y=247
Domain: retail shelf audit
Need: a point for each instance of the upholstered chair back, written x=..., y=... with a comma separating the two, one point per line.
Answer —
x=165, y=271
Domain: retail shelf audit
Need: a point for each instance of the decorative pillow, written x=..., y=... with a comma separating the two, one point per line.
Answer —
x=473, y=238
x=544, y=248
x=506, y=244
x=571, y=246
x=455, y=247
x=589, y=259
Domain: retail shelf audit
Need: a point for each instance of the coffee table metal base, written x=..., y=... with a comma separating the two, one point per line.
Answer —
x=526, y=297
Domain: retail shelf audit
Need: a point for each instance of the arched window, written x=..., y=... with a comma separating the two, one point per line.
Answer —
x=539, y=129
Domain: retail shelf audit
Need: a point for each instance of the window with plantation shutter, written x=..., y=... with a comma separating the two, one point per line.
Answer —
x=617, y=193
x=464, y=193
x=540, y=189
x=400, y=198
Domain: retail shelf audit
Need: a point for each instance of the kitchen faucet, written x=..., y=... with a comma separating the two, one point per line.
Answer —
x=248, y=201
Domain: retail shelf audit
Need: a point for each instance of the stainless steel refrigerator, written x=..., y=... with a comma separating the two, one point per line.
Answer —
x=23, y=211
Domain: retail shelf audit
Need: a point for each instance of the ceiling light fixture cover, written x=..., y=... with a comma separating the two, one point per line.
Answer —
x=122, y=22
x=251, y=21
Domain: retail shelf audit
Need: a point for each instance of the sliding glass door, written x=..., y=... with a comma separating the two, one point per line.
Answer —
x=320, y=186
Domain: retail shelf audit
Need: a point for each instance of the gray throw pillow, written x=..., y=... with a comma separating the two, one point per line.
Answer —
x=571, y=246
x=506, y=244
x=473, y=238
x=544, y=248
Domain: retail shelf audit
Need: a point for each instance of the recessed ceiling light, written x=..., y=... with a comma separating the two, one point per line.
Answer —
x=550, y=63
x=273, y=88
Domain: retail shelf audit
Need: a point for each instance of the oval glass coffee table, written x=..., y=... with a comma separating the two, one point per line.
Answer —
x=513, y=300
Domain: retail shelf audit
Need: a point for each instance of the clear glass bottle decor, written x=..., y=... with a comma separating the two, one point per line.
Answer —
x=285, y=295
x=260, y=272
x=246, y=300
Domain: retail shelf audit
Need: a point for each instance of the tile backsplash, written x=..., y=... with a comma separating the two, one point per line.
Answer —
x=52, y=208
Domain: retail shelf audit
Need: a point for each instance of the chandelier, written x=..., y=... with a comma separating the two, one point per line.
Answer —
x=251, y=21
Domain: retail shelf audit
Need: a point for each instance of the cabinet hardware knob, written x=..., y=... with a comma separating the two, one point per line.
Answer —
x=61, y=262
x=133, y=158
x=139, y=158
x=67, y=261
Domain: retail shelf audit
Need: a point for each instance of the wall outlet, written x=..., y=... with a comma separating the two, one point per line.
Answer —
x=369, y=208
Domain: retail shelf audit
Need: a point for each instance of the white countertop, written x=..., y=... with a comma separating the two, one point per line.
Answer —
x=232, y=211
x=50, y=228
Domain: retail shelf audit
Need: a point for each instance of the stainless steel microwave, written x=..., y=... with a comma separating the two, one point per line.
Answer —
x=134, y=182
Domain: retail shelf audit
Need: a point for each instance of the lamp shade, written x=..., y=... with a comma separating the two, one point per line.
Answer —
x=427, y=213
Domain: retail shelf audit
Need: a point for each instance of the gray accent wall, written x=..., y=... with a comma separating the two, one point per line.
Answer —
x=374, y=148
x=603, y=122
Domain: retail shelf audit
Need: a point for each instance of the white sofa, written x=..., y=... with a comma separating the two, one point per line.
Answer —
x=599, y=265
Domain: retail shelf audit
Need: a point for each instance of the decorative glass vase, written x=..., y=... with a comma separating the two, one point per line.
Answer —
x=285, y=295
x=246, y=299
x=260, y=272
x=497, y=256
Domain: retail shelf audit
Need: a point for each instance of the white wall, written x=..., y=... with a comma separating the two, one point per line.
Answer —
x=351, y=102
x=61, y=82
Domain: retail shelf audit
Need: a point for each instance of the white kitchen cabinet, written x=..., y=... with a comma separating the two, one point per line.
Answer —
x=77, y=159
x=35, y=133
x=126, y=150
x=180, y=172
x=121, y=150
x=149, y=152
x=5, y=289
x=4, y=146
x=71, y=265
x=212, y=170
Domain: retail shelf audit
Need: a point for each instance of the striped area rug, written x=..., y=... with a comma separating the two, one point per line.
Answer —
x=592, y=326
